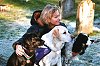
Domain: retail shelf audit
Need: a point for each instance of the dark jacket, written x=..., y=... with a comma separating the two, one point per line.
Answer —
x=35, y=28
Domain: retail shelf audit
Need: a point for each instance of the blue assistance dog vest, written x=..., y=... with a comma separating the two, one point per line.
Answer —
x=40, y=53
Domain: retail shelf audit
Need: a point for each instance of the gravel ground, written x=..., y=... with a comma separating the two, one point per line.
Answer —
x=12, y=31
x=92, y=54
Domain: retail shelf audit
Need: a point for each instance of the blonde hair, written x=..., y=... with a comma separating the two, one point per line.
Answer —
x=48, y=12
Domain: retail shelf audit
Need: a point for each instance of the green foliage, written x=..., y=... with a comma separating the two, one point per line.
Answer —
x=94, y=33
x=31, y=4
x=39, y=4
x=19, y=5
x=72, y=18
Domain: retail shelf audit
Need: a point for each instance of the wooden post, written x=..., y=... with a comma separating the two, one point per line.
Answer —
x=85, y=17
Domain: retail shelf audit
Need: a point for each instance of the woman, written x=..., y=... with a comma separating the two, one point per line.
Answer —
x=42, y=22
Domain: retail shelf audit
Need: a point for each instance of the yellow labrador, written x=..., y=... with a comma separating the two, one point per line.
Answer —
x=55, y=40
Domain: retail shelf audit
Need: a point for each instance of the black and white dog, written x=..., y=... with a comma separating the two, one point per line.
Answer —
x=81, y=43
x=78, y=46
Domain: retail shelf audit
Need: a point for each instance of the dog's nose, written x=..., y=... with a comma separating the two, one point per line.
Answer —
x=92, y=41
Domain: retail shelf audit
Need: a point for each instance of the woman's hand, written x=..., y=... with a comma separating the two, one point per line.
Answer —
x=19, y=50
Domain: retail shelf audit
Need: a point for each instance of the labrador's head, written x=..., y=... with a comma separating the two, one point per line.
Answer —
x=61, y=33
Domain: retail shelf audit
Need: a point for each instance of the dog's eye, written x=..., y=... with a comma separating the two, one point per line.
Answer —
x=64, y=33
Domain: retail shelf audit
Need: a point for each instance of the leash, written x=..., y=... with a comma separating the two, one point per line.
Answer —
x=27, y=56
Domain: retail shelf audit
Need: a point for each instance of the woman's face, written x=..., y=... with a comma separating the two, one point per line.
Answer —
x=55, y=20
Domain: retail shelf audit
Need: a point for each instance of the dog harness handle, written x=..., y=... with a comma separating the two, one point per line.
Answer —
x=40, y=53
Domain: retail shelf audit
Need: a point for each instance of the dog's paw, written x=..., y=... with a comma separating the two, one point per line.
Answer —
x=75, y=58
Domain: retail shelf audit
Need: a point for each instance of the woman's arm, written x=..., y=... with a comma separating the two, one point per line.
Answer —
x=17, y=46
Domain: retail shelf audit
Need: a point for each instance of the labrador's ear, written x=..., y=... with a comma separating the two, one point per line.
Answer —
x=55, y=33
